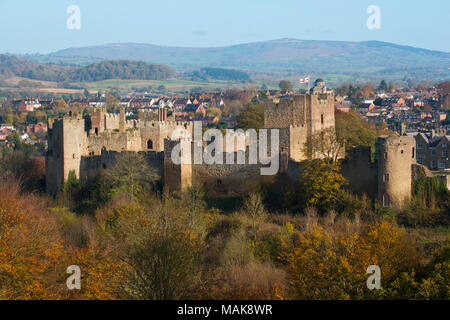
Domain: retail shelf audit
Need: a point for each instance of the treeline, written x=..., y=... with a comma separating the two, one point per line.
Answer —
x=206, y=74
x=11, y=66
x=123, y=69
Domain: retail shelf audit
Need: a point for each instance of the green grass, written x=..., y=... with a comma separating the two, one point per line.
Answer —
x=172, y=85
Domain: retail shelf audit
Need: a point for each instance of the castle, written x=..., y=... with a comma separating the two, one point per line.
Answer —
x=85, y=146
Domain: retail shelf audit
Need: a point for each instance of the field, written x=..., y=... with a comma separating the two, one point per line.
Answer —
x=171, y=85
x=38, y=86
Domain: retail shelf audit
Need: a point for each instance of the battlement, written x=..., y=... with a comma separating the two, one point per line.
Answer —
x=164, y=124
x=285, y=101
x=58, y=123
x=131, y=124
x=112, y=116
x=323, y=95
x=395, y=141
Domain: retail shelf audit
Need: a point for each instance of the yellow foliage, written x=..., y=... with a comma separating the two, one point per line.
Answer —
x=324, y=267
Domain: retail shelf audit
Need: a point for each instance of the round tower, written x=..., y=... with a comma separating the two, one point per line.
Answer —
x=396, y=156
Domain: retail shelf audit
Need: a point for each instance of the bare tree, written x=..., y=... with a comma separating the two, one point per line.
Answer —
x=255, y=210
x=324, y=145
x=131, y=173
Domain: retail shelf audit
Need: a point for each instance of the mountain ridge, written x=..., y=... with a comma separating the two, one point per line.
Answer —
x=244, y=43
x=281, y=58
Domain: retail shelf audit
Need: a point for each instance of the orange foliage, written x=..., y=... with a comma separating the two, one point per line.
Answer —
x=30, y=248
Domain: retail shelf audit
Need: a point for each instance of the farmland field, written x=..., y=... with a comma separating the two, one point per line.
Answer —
x=172, y=85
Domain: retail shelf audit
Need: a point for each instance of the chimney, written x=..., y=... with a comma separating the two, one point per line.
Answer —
x=162, y=114
x=403, y=129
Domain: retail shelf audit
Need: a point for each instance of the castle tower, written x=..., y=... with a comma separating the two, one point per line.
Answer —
x=304, y=115
x=98, y=122
x=176, y=176
x=66, y=144
x=396, y=156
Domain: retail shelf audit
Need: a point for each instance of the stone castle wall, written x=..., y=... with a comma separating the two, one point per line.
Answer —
x=361, y=172
x=287, y=112
x=91, y=166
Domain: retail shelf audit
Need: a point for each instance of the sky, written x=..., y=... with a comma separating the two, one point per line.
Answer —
x=41, y=26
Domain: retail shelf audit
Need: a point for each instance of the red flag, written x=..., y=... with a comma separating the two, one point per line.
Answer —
x=304, y=80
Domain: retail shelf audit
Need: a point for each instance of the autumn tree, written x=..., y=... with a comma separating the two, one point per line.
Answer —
x=285, y=85
x=251, y=118
x=193, y=199
x=383, y=86
x=76, y=107
x=161, y=249
x=69, y=189
x=321, y=184
x=130, y=174
x=427, y=282
x=355, y=131
x=392, y=87
x=61, y=106
x=112, y=104
x=9, y=118
x=367, y=91
x=327, y=266
x=163, y=267
x=324, y=145
x=254, y=208
x=31, y=249
x=214, y=112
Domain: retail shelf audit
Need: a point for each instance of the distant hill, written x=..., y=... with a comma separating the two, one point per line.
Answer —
x=12, y=66
x=285, y=57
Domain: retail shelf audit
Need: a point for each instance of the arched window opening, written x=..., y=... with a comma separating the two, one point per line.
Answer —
x=150, y=145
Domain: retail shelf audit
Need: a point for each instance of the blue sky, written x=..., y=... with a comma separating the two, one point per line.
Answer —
x=40, y=26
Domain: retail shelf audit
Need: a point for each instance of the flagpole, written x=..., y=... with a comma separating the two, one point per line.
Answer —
x=309, y=83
